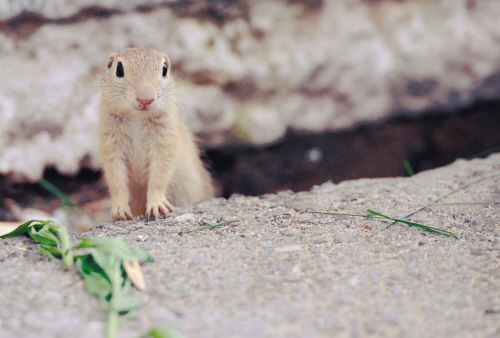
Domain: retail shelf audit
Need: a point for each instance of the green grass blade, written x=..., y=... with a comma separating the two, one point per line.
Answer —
x=418, y=225
x=409, y=168
x=56, y=192
x=377, y=215
x=210, y=226
x=341, y=214
x=466, y=203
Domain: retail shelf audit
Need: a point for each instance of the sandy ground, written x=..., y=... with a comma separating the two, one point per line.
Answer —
x=282, y=271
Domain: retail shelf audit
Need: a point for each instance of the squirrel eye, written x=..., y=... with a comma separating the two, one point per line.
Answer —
x=119, y=69
x=165, y=70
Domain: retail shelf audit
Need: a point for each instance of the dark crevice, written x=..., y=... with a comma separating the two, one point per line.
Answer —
x=304, y=159
x=26, y=23
x=312, y=5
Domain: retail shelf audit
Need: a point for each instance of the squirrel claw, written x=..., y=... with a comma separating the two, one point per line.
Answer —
x=154, y=210
x=122, y=214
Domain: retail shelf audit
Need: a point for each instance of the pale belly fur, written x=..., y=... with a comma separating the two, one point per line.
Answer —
x=138, y=163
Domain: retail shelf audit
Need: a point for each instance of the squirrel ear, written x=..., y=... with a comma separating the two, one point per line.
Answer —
x=110, y=61
x=167, y=60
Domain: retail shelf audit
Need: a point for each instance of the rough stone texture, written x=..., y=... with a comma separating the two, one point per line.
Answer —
x=62, y=8
x=281, y=271
x=250, y=69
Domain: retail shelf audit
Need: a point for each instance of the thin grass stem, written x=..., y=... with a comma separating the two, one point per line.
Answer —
x=466, y=203
x=418, y=225
x=465, y=186
x=409, y=168
x=377, y=215
x=210, y=226
x=342, y=214
x=112, y=324
x=67, y=253
x=56, y=192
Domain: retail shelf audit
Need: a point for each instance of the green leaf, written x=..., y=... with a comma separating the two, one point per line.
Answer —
x=109, y=264
x=95, y=279
x=123, y=304
x=53, y=253
x=127, y=285
x=44, y=235
x=161, y=332
x=87, y=266
x=23, y=228
x=101, y=268
x=115, y=246
x=53, y=238
x=98, y=285
x=50, y=250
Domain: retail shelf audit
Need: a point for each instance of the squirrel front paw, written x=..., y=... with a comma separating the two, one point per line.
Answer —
x=121, y=213
x=156, y=208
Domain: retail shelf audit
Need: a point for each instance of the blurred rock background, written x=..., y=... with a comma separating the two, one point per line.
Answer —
x=283, y=94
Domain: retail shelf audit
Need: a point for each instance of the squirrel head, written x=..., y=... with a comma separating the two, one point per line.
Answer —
x=137, y=79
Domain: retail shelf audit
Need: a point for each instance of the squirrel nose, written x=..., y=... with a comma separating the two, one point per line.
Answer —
x=145, y=102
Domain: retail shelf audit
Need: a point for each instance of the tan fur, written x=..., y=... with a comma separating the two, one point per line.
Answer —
x=149, y=158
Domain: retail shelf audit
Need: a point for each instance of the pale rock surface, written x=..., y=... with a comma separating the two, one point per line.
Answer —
x=275, y=65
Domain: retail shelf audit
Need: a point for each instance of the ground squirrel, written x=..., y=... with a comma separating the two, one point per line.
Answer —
x=149, y=157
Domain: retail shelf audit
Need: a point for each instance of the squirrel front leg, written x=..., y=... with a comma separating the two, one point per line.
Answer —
x=115, y=172
x=162, y=158
x=118, y=187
